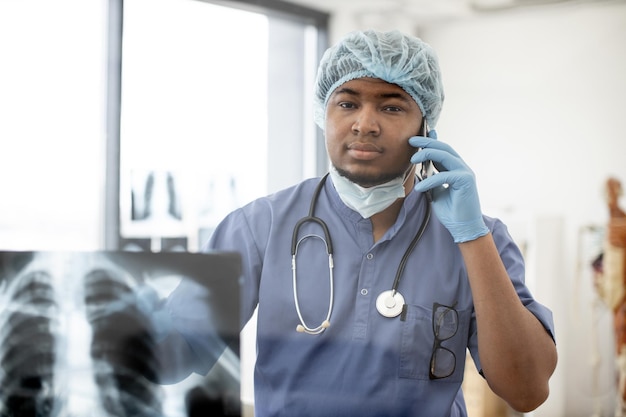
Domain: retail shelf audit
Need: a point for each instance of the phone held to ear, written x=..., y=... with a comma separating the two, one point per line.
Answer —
x=427, y=168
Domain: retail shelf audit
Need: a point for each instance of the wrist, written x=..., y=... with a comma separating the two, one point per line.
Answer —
x=468, y=231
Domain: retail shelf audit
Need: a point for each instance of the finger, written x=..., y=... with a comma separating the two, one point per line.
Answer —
x=424, y=142
x=443, y=179
x=420, y=141
x=420, y=158
x=440, y=158
x=429, y=183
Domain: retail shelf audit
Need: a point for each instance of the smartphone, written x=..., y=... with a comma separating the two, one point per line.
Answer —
x=427, y=168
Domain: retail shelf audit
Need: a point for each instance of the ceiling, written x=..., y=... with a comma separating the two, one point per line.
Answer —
x=386, y=6
x=417, y=11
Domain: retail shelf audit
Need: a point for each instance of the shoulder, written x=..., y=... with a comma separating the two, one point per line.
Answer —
x=294, y=199
x=287, y=196
x=258, y=219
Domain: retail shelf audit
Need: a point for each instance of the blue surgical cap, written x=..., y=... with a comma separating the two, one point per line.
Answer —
x=392, y=56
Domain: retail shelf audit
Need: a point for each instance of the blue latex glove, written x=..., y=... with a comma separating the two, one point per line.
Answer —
x=453, y=188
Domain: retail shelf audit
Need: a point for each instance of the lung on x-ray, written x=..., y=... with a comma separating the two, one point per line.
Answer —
x=124, y=334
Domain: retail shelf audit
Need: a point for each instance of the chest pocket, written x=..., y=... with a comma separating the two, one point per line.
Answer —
x=418, y=343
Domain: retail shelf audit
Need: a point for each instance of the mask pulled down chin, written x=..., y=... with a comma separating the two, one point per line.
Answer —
x=371, y=200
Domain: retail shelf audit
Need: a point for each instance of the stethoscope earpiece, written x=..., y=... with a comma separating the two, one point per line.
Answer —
x=319, y=329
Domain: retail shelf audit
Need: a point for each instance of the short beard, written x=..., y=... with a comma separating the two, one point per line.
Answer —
x=367, y=181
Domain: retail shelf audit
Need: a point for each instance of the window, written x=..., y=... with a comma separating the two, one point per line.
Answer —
x=214, y=113
x=52, y=106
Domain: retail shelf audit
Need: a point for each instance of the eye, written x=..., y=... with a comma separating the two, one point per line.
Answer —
x=393, y=109
x=347, y=105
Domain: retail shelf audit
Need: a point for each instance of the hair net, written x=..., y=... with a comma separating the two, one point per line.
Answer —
x=392, y=56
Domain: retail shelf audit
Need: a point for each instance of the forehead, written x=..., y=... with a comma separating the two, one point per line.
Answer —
x=373, y=88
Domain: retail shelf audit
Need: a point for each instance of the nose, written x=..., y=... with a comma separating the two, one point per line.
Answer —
x=366, y=122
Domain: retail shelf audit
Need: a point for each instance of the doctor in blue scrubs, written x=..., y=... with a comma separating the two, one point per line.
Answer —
x=373, y=281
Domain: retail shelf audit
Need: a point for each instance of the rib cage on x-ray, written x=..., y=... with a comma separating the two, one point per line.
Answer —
x=122, y=348
x=27, y=351
x=77, y=340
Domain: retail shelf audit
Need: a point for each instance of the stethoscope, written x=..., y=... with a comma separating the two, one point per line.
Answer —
x=389, y=303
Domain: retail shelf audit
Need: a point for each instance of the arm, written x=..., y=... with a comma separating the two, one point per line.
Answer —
x=517, y=354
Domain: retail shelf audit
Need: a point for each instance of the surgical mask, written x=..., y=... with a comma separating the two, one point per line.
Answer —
x=371, y=200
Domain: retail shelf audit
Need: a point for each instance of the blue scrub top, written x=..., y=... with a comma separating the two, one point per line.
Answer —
x=364, y=364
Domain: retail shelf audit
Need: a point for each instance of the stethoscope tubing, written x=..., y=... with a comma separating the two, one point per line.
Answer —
x=409, y=250
x=312, y=218
x=295, y=242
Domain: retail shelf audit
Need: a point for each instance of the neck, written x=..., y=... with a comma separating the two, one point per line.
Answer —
x=381, y=222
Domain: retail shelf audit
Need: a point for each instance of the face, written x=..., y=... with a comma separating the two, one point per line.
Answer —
x=368, y=124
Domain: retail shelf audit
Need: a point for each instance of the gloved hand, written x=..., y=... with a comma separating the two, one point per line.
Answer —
x=453, y=188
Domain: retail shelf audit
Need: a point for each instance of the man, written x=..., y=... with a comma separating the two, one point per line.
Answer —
x=328, y=344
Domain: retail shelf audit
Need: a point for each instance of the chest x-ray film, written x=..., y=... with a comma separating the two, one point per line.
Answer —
x=119, y=334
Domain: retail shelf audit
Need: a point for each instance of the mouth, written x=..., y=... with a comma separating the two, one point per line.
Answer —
x=364, y=151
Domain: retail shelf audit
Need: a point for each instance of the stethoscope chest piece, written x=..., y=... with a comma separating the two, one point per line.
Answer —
x=389, y=303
